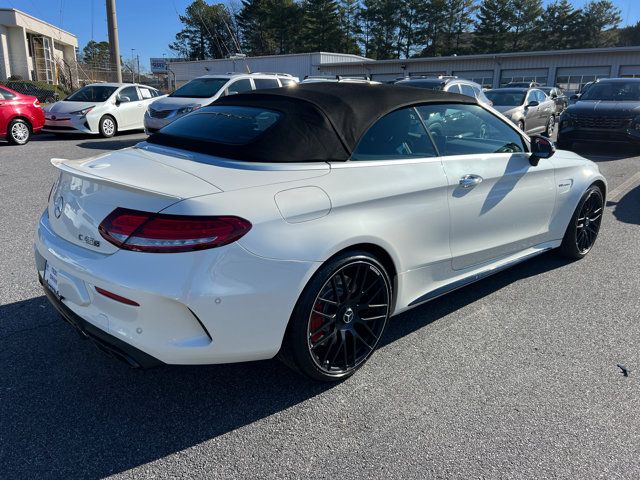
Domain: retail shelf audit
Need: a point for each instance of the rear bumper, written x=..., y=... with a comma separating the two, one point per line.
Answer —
x=109, y=344
x=212, y=306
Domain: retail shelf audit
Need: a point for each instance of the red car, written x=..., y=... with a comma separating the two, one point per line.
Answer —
x=20, y=116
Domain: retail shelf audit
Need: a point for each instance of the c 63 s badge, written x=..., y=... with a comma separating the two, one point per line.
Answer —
x=89, y=240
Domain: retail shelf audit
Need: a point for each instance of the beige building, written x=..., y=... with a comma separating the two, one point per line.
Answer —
x=35, y=50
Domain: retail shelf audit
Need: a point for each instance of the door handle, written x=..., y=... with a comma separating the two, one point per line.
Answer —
x=468, y=181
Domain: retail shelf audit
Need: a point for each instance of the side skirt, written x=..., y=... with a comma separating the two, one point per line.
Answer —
x=474, y=277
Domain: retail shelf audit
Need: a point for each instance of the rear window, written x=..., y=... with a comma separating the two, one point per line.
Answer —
x=228, y=124
x=6, y=94
x=265, y=83
x=200, y=88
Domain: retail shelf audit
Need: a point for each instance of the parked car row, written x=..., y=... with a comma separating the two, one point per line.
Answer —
x=601, y=110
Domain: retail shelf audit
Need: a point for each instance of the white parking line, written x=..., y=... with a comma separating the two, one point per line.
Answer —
x=623, y=188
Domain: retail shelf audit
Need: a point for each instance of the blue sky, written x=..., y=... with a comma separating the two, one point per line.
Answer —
x=150, y=25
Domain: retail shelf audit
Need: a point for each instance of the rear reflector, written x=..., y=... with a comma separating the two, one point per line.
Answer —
x=163, y=233
x=116, y=297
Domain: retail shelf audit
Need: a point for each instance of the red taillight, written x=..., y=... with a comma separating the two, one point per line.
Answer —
x=36, y=103
x=163, y=233
x=116, y=297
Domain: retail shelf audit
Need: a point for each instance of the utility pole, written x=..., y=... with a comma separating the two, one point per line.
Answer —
x=138, y=69
x=133, y=66
x=114, y=47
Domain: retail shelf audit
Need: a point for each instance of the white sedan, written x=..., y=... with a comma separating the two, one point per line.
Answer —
x=297, y=221
x=101, y=108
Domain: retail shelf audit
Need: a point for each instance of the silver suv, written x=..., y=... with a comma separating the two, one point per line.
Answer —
x=449, y=84
x=202, y=91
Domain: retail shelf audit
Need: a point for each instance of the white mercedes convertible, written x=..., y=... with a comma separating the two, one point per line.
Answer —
x=295, y=222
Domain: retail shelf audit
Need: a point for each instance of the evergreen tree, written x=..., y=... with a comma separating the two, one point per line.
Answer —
x=411, y=27
x=559, y=26
x=321, y=26
x=524, y=24
x=383, y=25
x=350, y=25
x=629, y=36
x=207, y=32
x=270, y=27
x=96, y=54
x=493, y=23
x=597, y=24
x=457, y=20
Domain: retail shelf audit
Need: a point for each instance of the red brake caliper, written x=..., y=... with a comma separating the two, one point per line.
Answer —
x=316, y=323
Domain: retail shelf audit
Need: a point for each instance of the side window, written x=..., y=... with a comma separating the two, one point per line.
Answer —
x=531, y=97
x=145, y=92
x=454, y=88
x=131, y=92
x=477, y=92
x=266, y=83
x=467, y=90
x=240, y=86
x=541, y=96
x=287, y=81
x=397, y=135
x=469, y=129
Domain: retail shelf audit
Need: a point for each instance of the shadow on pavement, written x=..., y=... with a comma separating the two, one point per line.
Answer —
x=112, y=144
x=627, y=209
x=603, y=152
x=67, y=411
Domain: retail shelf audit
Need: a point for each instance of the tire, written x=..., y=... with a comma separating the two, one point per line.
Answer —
x=339, y=318
x=108, y=126
x=551, y=123
x=19, y=132
x=584, y=225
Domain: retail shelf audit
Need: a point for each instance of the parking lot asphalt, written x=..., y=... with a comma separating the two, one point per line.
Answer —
x=512, y=377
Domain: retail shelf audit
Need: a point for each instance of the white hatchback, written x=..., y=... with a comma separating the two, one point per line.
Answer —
x=101, y=108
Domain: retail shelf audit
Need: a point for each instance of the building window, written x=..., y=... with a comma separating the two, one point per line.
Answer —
x=574, y=83
x=542, y=80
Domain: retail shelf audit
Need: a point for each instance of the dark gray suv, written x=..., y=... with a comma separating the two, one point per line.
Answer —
x=609, y=111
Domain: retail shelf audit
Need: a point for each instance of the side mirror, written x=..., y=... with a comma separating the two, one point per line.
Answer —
x=554, y=95
x=533, y=103
x=575, y=96
x=122, y=99
x=541, y=147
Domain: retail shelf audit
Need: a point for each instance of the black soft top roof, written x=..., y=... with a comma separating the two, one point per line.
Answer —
x=320, y=121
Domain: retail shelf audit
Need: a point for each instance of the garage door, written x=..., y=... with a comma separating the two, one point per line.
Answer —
x=481, y=77
x=574, y=78
x=524, y=75
x=630, y=71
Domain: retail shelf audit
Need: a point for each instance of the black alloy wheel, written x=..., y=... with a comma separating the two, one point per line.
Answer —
x=585, y=224
x=340, y=317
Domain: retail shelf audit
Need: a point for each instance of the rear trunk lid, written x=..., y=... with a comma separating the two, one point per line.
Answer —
x=229, y=175
x=88, y=190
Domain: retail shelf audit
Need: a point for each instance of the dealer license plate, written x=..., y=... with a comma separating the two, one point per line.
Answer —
x=51, y=278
